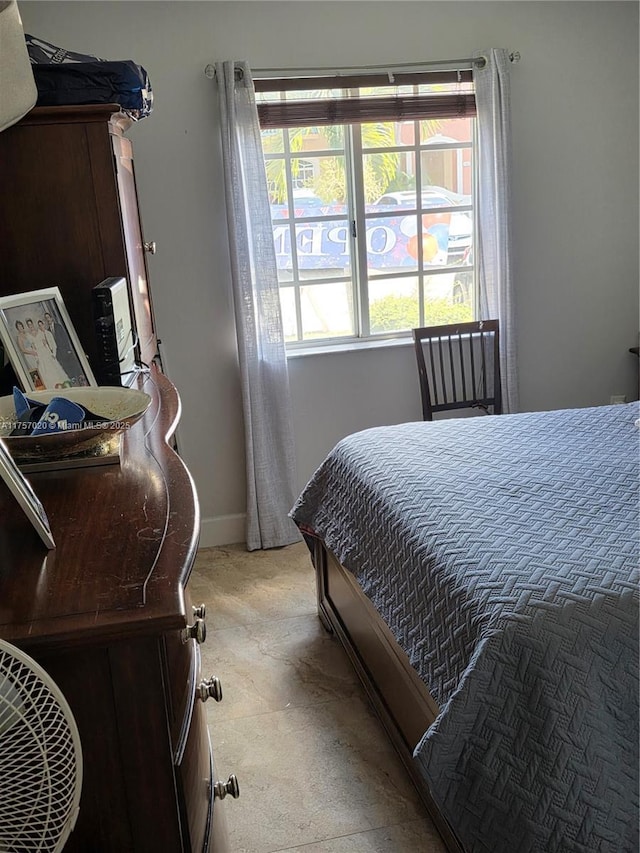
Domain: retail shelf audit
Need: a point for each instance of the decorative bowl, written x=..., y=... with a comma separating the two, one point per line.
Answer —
x=120, y=408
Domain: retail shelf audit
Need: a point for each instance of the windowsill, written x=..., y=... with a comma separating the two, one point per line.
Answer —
x=349, y=346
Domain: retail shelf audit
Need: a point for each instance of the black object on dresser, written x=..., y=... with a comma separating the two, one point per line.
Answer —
x=114, y=332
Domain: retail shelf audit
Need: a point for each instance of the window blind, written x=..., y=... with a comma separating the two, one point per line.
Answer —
x=350, y=99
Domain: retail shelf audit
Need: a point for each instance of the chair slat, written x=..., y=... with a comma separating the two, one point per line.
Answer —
x=441, y=357
x=462, y=370
x=434, y=383
x=452, y=370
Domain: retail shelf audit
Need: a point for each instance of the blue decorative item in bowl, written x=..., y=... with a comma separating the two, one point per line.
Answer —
x=69, y=423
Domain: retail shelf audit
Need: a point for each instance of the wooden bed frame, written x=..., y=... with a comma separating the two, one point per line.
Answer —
x=396, y=691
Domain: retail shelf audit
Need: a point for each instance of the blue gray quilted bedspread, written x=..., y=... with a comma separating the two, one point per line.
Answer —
x=503, y=553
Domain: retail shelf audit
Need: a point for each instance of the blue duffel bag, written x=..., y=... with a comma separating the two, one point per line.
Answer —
x=66, y=78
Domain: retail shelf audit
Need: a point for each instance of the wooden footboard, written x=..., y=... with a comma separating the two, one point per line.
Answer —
x=398, y=694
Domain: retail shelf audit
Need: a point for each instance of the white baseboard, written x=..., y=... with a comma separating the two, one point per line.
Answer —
x=222, y=530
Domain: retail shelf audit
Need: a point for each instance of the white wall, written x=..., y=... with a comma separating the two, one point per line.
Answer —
x=575, y=140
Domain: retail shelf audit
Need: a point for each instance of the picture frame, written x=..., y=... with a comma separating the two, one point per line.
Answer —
x=40, y=342
x=22, y=491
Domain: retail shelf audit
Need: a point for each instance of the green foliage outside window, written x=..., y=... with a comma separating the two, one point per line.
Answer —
x=400, y=313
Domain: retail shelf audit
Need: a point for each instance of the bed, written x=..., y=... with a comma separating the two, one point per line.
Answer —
x=482, y=574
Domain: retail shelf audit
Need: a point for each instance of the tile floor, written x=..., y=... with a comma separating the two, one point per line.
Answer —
x=316, y=772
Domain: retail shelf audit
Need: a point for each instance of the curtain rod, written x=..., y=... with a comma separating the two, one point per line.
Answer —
x=454, y=64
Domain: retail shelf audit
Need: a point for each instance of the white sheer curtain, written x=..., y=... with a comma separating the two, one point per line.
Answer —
x=270, y=460
x=493, y=104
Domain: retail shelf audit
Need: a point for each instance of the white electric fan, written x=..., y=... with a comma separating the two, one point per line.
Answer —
x=40, y=758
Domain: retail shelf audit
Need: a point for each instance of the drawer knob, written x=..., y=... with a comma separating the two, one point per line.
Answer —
x=210, y=688
x=150, y=247
x=197, y=632
x=199, y=611
x=221, y=789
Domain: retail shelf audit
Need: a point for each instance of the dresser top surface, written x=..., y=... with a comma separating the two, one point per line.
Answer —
x=125, y=536
x=81, y=114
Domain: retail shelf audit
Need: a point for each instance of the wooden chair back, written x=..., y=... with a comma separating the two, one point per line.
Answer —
x=459, y=367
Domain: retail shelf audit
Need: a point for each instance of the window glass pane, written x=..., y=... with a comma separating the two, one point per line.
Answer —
x=325, y=176
x=327, y=310
x=449, y=172
x=446, y=130
x=453, y=233
x=463, y=291
x=324, y=246
x=320, y=246
x=328, y=137
x=386, y=134
x=272, y=141
x=301, y=172
x=460, y=249
x=288, y=308
x=447, y=299
x=277, y=186
x=320, y=185
x=394, y=305
x=285, y=275
x=438, y=289
x=391, y=244
x=282, y=245
x=382, y=173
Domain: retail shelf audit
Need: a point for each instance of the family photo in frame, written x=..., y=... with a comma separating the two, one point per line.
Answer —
x=40, y=342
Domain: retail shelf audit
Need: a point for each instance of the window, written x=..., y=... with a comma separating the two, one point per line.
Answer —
x=372, y=200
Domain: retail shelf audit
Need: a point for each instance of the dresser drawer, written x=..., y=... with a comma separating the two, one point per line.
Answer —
x=196, y=781
x=183, y=669
x=187, y=692
x=183, y=673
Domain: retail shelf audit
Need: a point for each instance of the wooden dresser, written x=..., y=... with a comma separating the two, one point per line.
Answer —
x=108, y=615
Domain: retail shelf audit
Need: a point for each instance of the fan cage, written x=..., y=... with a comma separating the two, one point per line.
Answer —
x=40, y=758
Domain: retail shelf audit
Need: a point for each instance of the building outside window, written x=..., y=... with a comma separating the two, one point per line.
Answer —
x=372, y=203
